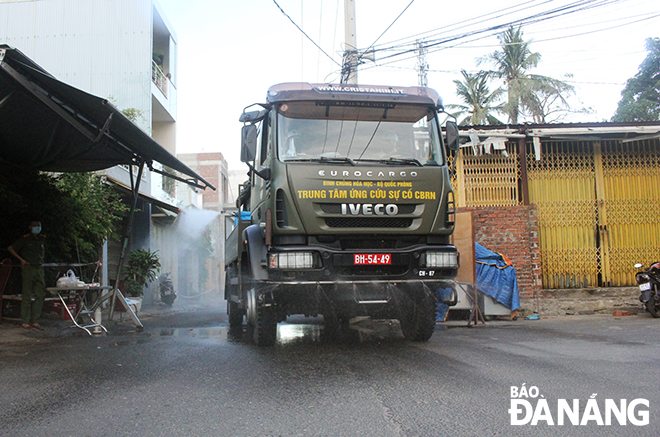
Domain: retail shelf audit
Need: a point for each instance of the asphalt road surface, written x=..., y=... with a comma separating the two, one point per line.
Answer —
x=187, y=374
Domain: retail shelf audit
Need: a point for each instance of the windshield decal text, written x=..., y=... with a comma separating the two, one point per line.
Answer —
x=357, y=89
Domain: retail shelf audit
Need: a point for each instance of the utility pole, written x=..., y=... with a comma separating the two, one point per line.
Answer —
x=422, y=65
x=350, y=63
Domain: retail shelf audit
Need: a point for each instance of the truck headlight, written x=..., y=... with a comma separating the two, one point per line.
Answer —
x=439, y=260
x=291, y=260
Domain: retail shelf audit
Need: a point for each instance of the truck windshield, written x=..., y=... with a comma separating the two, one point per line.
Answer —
x=387, y=139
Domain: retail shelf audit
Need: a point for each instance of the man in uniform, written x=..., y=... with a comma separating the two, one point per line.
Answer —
x=30, y=249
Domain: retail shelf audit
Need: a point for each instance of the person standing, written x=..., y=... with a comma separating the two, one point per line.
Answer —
x=30, y=250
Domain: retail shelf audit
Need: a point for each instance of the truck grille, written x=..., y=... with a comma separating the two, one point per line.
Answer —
x=335, y=208
x=368, y=222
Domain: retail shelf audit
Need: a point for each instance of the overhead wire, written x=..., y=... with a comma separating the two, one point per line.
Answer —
x=303, y=32
x=399, y=51
x=488, y=32
x=390, y=26
x=460, y=23
x=574, y=7
x=556, y=29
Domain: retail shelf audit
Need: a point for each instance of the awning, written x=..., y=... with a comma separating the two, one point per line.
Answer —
x=48, y=125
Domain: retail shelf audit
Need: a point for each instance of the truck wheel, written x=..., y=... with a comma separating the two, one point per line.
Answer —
x=265, y=327
x=262, y=319
x=419, y=325
x=234, y=314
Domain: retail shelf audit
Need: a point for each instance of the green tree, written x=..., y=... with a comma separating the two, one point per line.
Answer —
x=77, y=210
x=527, y=94
x=133, y=114
x=548, y=100
x=92, y=207
x=640, y=99
x=479, y=102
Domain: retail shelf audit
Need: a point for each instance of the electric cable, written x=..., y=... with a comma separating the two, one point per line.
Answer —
x=459, y=23
x=491, y=29
x=388, y=27
x=535, y=18
x=303, y=32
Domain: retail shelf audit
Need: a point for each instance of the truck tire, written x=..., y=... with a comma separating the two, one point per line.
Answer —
x=420, y=323
x=265, y=327
x=262, y=318
x=234, y=314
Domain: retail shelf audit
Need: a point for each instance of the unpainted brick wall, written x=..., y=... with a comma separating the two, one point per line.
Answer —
x=512, y=231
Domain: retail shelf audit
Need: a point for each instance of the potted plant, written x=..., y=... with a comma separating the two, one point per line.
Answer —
x=142, y=267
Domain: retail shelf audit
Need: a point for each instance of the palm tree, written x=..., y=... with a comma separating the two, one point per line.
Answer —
x=525, y=92
x=480, y=103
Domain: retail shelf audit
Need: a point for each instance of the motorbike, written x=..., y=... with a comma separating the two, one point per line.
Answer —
x=649, y=287
x=167, y=294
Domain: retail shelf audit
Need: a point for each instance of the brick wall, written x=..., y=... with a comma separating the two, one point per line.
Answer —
x=210, y=172
x=513, y=232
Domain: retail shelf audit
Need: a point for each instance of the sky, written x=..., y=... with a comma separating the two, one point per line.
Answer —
x=231, y=52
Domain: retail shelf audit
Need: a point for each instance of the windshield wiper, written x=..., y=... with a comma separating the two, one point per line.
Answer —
x=337, y=160
x=333, y=160
x=402, y=161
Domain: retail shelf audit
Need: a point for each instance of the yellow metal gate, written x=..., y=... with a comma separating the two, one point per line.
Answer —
x=562, y=185
x=486, y=180
x=629, y=202
x=598, y=210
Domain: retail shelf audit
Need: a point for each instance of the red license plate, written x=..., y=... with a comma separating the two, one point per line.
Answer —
x=372, y=259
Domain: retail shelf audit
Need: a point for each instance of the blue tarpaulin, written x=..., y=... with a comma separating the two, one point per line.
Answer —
x=496, y=277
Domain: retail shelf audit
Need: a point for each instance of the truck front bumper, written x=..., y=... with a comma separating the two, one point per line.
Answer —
x=346, y=299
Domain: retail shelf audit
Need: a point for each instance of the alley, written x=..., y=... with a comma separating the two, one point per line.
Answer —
x=189, y=374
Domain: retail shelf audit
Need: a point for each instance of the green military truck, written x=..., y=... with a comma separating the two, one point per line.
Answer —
x=348, y=210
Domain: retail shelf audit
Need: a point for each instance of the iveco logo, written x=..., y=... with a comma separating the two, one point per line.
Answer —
x=369, y=209
x=369, y=173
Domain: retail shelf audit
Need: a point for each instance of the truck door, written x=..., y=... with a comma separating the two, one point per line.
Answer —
x=261, y=187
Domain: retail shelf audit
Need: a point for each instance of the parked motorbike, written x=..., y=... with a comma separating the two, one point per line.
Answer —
x=649, y=287
x=167, y=294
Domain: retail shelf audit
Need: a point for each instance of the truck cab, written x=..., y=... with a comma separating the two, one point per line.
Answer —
x=350, y=209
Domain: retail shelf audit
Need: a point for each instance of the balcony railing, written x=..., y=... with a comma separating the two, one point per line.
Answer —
x=159, y=78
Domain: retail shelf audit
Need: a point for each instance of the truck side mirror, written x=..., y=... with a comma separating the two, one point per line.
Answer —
x=451, y=129
x=248, y=143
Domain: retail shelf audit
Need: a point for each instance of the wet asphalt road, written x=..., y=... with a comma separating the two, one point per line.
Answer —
x=188, y=375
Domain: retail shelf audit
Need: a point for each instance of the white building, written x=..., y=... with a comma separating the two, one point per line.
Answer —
x=122, y=50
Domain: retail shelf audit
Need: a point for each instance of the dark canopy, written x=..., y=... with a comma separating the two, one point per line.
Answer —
x=48, y=125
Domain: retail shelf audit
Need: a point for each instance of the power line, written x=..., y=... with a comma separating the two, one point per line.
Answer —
x=303, y=32
x=577, y=6
x=493, y=30
x=557, y=29
x=460, y=23
x=388, y=27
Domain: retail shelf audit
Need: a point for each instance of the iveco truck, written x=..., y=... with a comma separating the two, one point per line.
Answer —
x=348, y=210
